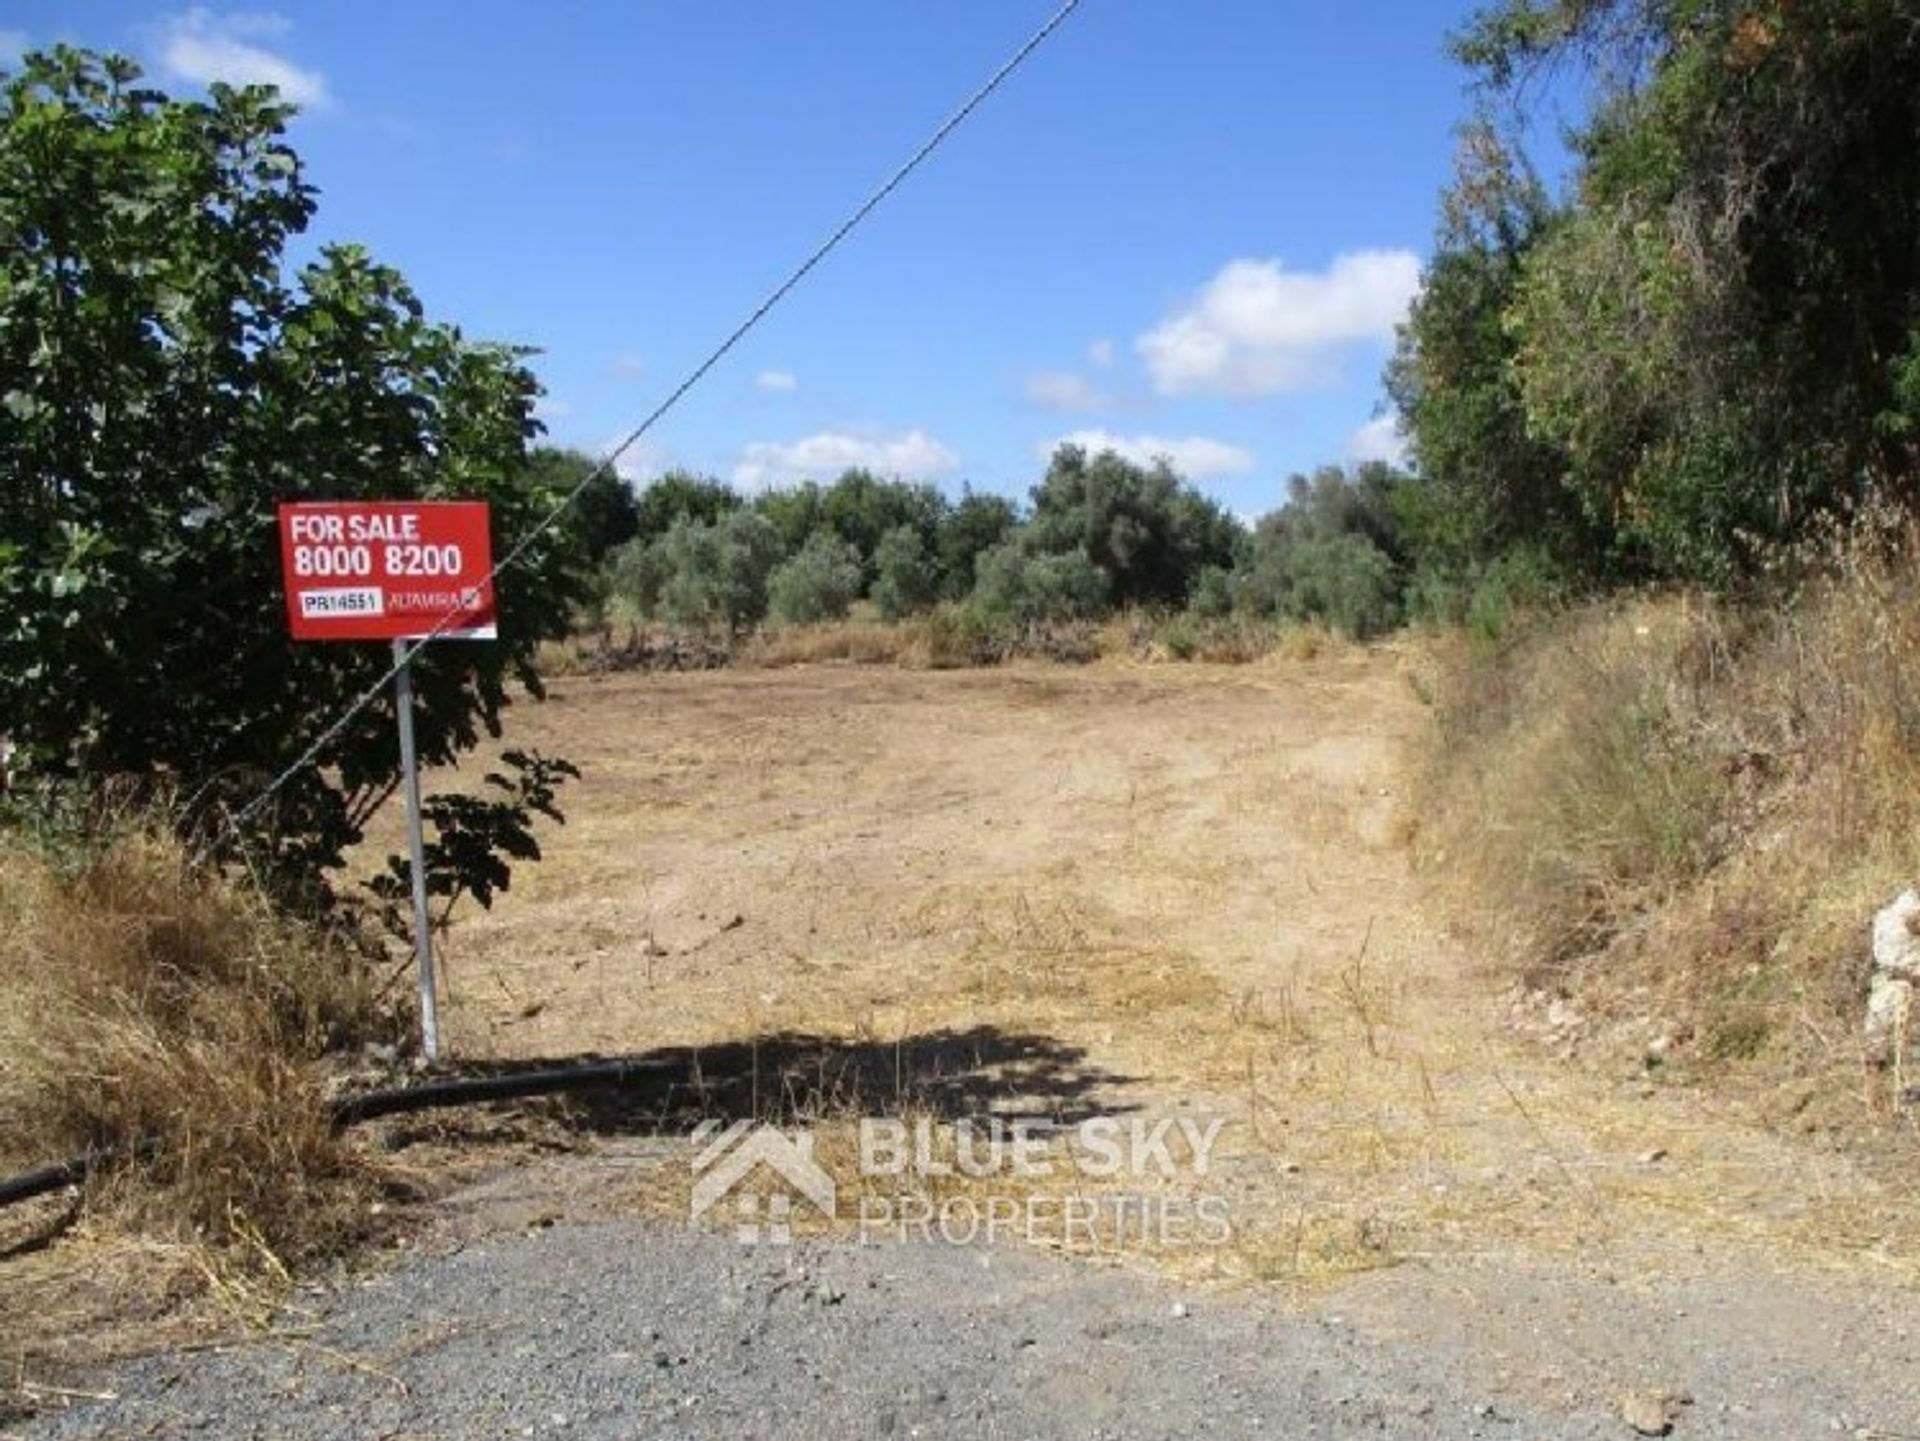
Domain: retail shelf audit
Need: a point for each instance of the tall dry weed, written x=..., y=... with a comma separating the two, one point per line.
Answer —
x=145, y=1001
x=1698, y=804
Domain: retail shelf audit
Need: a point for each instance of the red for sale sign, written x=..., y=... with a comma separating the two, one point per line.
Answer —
x=387, y=569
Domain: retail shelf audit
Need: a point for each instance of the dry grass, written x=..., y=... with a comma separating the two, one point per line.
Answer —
x=1579, y=772
x=141, y=1000
x=951, y=637
x=853, y=642
x=1688, y=815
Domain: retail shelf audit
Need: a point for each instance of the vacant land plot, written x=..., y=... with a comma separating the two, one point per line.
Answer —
x=1155, y=891
x=1152, y=888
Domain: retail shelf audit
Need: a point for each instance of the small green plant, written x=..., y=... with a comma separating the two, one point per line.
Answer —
x=957, y=637
x=1521, y=582
x=472, y=837
x=1181, y=638
x=1212, y=597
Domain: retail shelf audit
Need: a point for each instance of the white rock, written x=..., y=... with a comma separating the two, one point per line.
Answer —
x=1896, y=948
x=1648, y=1412
x=1890, y=999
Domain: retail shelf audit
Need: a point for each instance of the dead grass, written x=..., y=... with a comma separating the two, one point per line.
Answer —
x=1580, y=772
x=852, y=642
x=951, y=637
x=143, y=1001
x=1687, y=815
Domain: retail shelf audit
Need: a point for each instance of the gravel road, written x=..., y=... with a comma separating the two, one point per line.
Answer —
x=626, y=1329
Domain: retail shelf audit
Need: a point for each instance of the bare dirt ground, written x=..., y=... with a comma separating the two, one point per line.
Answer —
x=1189, y=880
x=1162, y=891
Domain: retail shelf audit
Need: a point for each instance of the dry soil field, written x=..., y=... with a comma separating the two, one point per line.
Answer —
x=1151, y=887
x=1157, y=891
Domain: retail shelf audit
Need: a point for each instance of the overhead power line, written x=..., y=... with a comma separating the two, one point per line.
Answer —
x=606, y=463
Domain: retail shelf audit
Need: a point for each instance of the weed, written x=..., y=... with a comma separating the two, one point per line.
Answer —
x=1708, y=802
x=142, y=999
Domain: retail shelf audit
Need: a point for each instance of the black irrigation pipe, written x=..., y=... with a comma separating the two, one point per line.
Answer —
x=371, y=1105
x=62, y=1174
x=56, y=1177
x=508, y=1086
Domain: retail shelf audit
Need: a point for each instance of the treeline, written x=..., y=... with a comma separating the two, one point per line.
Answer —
x=1710, y=345
x=1098, y=534
x=1702, y=353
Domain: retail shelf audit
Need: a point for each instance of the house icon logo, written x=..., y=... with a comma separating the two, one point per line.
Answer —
x=725, y=1158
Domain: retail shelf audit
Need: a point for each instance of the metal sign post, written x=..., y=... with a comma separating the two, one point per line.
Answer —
x=399, y=570
x=416, y=854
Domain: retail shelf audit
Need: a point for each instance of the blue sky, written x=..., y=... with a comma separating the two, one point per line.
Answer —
x=1188, y=226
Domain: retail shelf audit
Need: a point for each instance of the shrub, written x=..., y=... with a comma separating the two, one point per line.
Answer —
x=1522, y=581
x=1220, y=640
x=819, y=582
x=1332, y=553
x=703, y=576
x=1017, y=586
x=956, y=637
x=905, y=580
x=1345, y=580
x=1212, y=597
x=975, y=525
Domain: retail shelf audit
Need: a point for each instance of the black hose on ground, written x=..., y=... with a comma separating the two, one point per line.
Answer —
x=29, y=1184
x=371, y=1105
x=508, y=1086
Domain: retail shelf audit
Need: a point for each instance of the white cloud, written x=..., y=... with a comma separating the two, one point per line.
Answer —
x=912, y=455
x=643, y=461
x=1100, y=353
x=630, y=365
x=1257, y=327
x=551, y=407
x=203, y=47
x=777, y=382
x=1063, y=390
x=13, y=44
x=1195, y=456
x=1379, y=439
